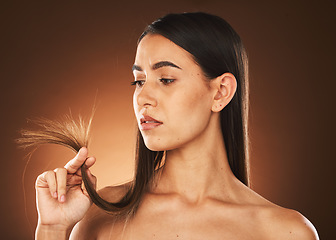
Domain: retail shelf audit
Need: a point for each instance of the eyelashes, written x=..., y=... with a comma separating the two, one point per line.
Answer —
x=164, y=81
x=139, y=83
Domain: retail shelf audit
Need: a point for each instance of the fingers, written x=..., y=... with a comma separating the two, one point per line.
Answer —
x=56, y=181
x=61, y=178
x=73, y=165
x=49, y=177
x=90, y=161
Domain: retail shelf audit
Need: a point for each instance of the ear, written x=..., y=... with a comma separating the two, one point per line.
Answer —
x=225, y=87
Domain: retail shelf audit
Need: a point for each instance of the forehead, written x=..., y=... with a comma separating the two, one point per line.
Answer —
x=154, y=48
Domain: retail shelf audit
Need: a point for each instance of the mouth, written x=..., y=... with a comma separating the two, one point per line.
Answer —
x=148, y=123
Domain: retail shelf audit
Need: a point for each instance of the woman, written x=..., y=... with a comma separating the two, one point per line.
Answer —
x=191, y=182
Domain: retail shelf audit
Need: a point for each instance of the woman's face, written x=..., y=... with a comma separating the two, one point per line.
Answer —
x=172, y=98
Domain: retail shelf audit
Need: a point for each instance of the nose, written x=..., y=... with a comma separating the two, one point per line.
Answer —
x=146, y=95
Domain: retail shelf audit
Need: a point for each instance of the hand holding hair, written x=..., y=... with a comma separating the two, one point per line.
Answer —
x=61, y=200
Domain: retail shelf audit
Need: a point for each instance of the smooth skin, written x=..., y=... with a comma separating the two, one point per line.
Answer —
x=195, y=195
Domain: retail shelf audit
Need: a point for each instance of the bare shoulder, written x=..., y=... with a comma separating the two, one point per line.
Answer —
x=282, y=223
x=96, y=218
x=275, y=222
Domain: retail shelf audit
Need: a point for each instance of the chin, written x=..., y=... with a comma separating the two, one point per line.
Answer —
x=155, y=145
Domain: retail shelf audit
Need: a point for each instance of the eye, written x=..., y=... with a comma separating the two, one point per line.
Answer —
x=166, y=81
x=138, y=83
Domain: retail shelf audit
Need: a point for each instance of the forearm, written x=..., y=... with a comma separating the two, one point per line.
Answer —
x=51, y=233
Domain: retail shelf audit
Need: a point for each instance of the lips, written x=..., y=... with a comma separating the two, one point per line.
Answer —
x=148, y=123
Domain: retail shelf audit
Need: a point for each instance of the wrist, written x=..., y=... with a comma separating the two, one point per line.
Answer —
x=49, y=232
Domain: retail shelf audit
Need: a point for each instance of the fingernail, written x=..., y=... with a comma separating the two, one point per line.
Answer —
x=62, y=198
x=55, y=195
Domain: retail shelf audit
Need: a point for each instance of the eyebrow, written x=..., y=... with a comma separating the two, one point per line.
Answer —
x=157, y=66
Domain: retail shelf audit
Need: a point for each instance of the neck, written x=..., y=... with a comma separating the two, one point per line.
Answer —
x=199, y=169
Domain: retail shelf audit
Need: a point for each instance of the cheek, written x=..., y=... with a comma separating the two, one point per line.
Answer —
x=192, y=115
x=195, y=105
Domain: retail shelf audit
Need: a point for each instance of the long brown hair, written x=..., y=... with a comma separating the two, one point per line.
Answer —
x=217, y=49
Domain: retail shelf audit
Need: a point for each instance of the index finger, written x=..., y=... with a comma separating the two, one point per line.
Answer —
x=73, y=165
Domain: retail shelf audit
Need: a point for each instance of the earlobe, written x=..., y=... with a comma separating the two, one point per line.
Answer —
x=225, y=87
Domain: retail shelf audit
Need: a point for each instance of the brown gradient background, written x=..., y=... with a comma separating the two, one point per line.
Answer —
x=56, y=56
